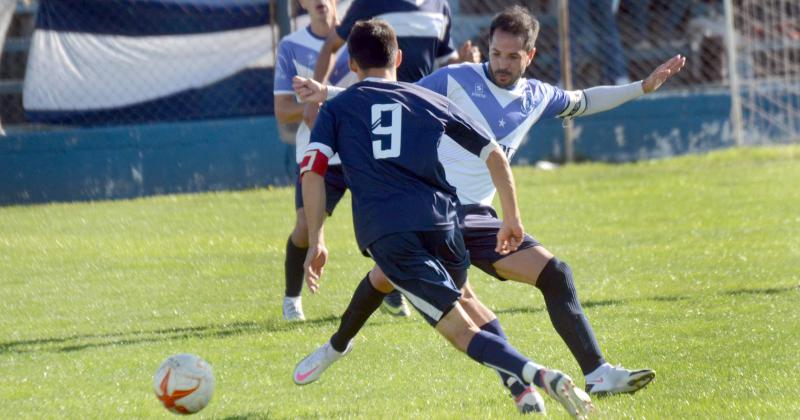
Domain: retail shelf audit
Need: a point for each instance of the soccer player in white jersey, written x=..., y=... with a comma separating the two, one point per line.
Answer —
x=508, y=104
x=297, y=56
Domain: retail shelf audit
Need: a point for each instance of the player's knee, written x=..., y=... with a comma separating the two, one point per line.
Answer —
x=379, y=280
x=556, y=276
x=300, y=231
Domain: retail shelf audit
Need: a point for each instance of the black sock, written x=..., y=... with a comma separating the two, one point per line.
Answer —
x=566, y=314
x=494, y=327
x=366, y=300
x=293, y=268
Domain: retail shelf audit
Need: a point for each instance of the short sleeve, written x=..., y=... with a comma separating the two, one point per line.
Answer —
x=467, y=132
x=284, y=71
x=323, y=134
x=436, y=81
x=359, y=10
x=560, y=103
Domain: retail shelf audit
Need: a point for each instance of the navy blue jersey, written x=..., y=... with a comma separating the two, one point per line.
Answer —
x=387, y=135
x=422, y=28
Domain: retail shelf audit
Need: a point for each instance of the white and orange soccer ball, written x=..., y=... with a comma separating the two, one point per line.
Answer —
x=184, y=383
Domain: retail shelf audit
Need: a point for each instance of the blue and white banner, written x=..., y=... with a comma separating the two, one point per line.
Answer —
x=97, y=62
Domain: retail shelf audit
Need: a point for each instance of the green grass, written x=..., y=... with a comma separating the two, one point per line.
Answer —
x=690, y=266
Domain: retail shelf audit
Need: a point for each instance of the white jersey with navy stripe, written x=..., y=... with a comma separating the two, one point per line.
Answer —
x=508, y=113
x=297, y=56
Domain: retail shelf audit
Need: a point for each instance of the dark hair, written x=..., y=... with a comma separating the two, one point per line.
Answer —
x=517, y=21
x=372, y=44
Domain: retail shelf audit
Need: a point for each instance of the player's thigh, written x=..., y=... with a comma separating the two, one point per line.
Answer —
x=480, y=226
x=524, y=265
x=379, y=280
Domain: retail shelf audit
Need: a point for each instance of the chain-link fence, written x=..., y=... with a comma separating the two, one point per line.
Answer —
x=767, y=70
x=125, y=61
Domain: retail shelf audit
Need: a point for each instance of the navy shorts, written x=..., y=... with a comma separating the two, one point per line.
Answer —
x=428, y=268
x=479, y=225
x=334, y=189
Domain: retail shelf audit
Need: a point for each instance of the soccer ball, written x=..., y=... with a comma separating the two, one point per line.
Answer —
x=184, y=383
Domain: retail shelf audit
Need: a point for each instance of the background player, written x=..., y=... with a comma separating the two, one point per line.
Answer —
x=495, y=94
x=387, y=135
x=297, y=56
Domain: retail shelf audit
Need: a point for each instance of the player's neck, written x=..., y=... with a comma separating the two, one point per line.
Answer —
x=386, y=74
x=322, y=28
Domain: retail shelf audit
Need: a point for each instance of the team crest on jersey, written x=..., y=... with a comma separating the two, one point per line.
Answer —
x=526, y=105
x=479, y=91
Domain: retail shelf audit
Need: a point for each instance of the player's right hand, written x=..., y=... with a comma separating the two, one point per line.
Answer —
x=509, y=237
x=309, y=90
x=316, y=257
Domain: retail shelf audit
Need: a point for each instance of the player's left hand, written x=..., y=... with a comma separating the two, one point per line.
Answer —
x=509, y=237
x=309, y=90
x=660, y=75
x=469, y=53
x=316, y=257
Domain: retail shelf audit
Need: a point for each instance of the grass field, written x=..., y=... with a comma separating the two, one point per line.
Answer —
x=689, y=266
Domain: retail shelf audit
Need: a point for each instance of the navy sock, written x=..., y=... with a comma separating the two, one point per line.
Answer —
x=566, y=314
x=293, y=268
x=491, y=350
x=494, y=327
x=366, y=300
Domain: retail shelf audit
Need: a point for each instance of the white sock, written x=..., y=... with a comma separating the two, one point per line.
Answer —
x=598, y=372
x=529, y=371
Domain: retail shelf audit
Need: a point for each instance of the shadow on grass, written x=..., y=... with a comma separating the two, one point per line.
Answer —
x=80, y=342
x=666, y=298
x=86, y=341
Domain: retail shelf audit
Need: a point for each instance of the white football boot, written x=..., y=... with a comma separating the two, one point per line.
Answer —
x=311, y=368
x=560, y=387
x=527, y=401
x=293, y=309
x=395, y=304
x=608, y=380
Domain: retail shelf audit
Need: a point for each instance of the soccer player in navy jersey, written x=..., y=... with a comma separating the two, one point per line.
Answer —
x=404, y=212
x=423, y=33
x=496, y=95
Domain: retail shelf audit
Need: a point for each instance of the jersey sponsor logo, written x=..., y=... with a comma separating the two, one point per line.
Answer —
x=479, y=91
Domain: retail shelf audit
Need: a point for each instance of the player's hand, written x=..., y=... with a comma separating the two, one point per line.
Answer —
x=509, y=237
x=310, y=113
x=469, y=53
x=309, y=90
x=316, y=257
x=660, y=75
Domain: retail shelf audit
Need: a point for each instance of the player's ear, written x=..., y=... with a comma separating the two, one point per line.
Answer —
x=352, y=64
x=398, y=58
x=530, y=56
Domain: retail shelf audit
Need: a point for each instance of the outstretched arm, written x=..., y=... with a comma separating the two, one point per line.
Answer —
x=602, y=98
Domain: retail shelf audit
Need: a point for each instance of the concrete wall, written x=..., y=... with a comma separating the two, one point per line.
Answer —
x=141, y=160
